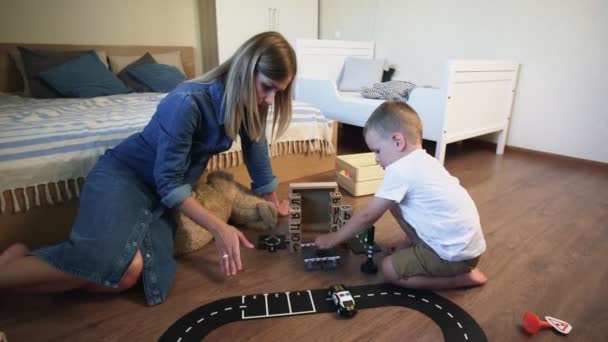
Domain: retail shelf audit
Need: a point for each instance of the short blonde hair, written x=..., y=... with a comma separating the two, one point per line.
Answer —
x=395, y=116
x=270, y=54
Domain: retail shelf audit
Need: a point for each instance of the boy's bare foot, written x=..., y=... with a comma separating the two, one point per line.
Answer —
x=475, y=278
x=15, y=251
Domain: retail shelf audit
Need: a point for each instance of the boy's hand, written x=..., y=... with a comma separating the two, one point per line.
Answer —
x=326, y=241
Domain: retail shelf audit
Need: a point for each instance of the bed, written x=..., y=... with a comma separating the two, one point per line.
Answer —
x=47, y=146
x=475, y=98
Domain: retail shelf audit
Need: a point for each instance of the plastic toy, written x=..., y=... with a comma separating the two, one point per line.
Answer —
x=358, y=244
x=319, y=259
x=271, y=242
x=532, y=323
x=368, y=266
x=343, y=300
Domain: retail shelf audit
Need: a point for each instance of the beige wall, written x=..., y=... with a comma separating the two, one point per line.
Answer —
x=561, y=45
x=109, y=22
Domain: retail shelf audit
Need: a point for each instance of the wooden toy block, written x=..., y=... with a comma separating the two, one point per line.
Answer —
x=295, y=199
x=314, y=198
x=328, y=186
x=295, y=237
x=334, y=228
x=335, y=219
x=295, y=228
x=346, y=212
x=335, y=198
x=295, y=215
x=359, y=173
x=334, y=210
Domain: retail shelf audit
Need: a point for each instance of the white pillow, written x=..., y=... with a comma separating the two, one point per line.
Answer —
x=360, y=72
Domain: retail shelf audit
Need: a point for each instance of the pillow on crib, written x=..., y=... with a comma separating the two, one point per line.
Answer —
x=360, y=72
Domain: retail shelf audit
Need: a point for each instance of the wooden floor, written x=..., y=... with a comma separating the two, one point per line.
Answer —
x=545, y=220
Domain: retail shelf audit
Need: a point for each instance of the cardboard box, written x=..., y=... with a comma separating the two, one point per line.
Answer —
x=359, y=174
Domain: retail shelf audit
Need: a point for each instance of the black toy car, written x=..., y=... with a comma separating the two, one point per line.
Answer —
x=342, y=299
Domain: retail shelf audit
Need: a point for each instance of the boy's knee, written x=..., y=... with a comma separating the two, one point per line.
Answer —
x=388, y=270
x=131, y=276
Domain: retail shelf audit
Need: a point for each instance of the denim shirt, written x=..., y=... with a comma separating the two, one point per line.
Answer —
x=172, y=151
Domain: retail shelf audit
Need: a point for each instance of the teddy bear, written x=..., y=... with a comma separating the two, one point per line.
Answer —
x=231, y=202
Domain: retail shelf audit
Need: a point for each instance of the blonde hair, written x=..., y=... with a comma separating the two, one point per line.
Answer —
x=395, y=116
x=270, y=54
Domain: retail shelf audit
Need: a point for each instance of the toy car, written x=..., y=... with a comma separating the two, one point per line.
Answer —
x=342, y=299
x=271, y=242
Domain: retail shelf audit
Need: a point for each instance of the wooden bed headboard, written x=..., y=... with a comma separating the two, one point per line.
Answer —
x=10, y=80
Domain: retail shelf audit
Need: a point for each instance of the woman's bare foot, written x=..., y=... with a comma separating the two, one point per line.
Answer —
x=15, y=251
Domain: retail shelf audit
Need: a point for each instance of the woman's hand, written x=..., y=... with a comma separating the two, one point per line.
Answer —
x=228, y=240
x=282, y=206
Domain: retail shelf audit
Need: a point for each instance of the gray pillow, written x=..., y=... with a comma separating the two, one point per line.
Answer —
x=16, y=57
x=117, y=63
x=133, y=83
x=37, y=61
x=360, y=72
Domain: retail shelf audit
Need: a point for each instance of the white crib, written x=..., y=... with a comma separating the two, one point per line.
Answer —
x=475, y=98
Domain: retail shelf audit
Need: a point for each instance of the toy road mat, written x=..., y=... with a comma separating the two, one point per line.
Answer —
x=455, y=323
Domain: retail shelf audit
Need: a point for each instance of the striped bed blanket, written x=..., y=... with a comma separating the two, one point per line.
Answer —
x=55, y=142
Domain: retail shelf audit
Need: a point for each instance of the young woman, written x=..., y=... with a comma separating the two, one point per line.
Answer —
x=124, y=228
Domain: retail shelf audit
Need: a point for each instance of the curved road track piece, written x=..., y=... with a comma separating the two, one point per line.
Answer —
x=455, y=323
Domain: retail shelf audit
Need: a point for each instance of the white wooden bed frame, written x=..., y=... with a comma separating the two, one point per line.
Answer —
x=475, y=98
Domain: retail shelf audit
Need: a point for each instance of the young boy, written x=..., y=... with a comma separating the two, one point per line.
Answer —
x=443, y=237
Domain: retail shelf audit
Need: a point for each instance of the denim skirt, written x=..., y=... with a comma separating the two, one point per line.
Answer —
x=118, y=215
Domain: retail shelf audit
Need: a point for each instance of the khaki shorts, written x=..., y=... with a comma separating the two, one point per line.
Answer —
x=421, y=260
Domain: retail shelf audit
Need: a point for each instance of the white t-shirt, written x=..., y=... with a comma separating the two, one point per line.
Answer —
x=435, y=204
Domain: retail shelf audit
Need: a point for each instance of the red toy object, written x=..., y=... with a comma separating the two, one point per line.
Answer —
x=533, y=324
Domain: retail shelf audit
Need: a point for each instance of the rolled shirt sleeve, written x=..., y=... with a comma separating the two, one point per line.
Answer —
x=176, y=129
x=258, y=165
